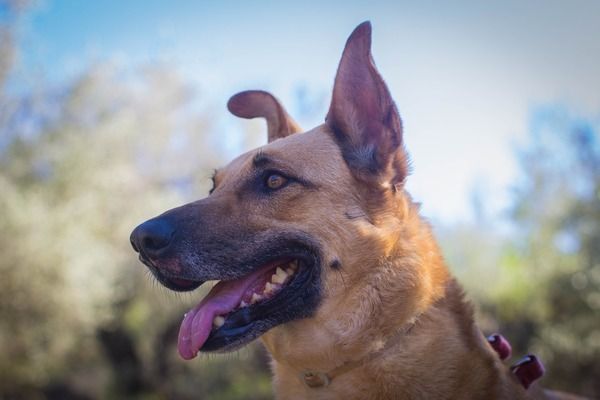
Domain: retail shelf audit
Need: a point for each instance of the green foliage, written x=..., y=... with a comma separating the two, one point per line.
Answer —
x=542, y=289
x=558, y=206
x=80, y=166
x=79, y=314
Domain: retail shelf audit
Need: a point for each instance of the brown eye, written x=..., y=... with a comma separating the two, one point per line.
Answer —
x=275, y=181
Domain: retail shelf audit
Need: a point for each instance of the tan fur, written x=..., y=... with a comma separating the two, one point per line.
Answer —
x=381, y=269
x=392, y=272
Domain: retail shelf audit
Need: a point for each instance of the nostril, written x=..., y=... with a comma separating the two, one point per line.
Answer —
x=155, y=243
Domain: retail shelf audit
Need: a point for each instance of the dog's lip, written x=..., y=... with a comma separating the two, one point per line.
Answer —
x=174, y=283
x=184, y=283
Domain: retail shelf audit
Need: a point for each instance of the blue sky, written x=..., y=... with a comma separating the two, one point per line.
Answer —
x=465, y=75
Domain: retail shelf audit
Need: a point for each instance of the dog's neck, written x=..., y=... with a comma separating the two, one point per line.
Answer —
x=441, y=350
x=320, y=379
x=439, y=357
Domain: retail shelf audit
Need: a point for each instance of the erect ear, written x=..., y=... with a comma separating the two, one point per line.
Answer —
x=363, y=116
x=256, y=103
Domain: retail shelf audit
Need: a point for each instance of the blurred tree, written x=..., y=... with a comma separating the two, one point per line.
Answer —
x=540, y=285
x=80, y=166
x=10, y=10
x=557, y=212
x=75, y=304
x=542, y=282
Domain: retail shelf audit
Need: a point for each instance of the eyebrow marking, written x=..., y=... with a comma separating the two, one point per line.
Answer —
x=357, y=213
x=261, y=159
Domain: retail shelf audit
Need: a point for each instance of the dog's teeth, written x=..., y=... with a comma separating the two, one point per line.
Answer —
x=218, y=321
x=292, y=267
x=255, y=298
x=243, y=304
x=269, y=288
x=279, y=277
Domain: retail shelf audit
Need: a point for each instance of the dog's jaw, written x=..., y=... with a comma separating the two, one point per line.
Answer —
x=237, y=312
x=227, y=297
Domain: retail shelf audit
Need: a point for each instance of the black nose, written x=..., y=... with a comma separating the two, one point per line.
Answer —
x=152, y=237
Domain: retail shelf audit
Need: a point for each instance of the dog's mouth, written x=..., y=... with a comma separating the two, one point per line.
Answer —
x=237, y=311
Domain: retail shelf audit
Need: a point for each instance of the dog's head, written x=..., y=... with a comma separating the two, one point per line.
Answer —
x=288, y=228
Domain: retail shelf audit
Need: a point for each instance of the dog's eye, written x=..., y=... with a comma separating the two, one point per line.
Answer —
x=275, y=181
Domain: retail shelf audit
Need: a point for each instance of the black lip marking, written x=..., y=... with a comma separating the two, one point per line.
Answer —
x=298, y=299
x=214, y=259
x=167, y=281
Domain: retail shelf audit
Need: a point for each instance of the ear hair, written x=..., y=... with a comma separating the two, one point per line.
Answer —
x=363, y=116
x=258, y=103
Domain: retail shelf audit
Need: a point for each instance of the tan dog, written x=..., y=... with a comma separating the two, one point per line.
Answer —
x=321, y=252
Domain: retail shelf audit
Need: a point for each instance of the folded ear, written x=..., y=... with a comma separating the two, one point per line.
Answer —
x=363, y=115
x=256, y=103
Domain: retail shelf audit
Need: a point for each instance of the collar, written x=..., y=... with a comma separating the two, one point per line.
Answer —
x=319, y=379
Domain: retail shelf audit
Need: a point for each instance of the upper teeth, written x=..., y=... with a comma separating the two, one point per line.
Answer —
x=277, y=279
x=279, y=276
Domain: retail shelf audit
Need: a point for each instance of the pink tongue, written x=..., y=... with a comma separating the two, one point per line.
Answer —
x=197, y=324
x=223, y=298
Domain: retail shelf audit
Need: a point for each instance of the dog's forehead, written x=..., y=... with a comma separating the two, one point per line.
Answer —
x=313, y=145
x=309, y=152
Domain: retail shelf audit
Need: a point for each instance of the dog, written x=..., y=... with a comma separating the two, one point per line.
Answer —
x=322, y=254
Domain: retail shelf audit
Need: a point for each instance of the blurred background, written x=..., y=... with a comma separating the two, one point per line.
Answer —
x=112, y=112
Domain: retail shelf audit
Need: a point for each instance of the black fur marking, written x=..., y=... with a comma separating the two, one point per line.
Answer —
x=361, y=158
x=265, y=165
x=261, y=159
x=214, y=181
x=351, y=215
x=297, y=300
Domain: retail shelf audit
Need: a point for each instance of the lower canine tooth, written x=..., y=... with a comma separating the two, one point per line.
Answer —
x=255, y=297
x=218, y=321
x=243, y=304
x=268, y=287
